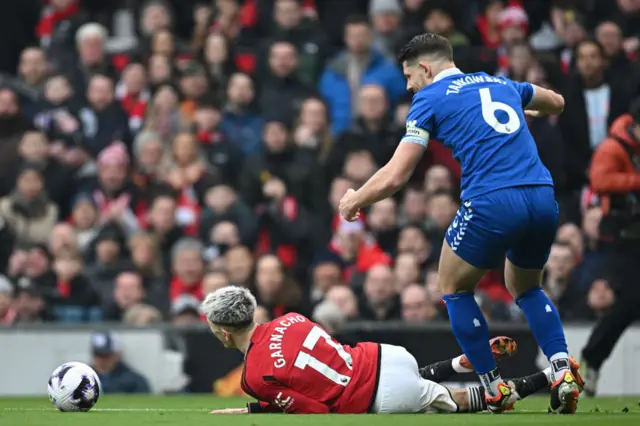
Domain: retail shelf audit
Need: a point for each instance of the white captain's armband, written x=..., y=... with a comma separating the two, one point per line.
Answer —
x=415, y=134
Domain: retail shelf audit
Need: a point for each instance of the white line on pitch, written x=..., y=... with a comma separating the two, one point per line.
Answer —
x=183, y=410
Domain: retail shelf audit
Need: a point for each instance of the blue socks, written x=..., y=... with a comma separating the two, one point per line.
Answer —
x=472, y=332
x=544, y=322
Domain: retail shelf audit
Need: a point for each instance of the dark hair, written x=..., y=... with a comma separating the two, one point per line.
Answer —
x=357, y=20
x=426, y=44
x=592, y=42
x=444, y=193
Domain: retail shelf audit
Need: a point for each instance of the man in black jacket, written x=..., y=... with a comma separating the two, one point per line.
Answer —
x=115, y=376
x=282, y=89
x=593, y=101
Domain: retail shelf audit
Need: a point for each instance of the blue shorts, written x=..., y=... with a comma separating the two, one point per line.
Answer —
x=520, y=222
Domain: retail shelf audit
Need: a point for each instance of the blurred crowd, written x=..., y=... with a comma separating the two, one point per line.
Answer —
x=152, y=152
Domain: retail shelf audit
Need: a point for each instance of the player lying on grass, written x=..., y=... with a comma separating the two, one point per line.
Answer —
x=292, y=365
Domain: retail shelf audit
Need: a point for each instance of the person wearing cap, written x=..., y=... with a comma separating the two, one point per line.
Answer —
x=615, y=176
x=185, y=310
x=115, y=375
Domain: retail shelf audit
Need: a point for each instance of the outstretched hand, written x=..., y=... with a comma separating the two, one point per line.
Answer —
x=231, y=411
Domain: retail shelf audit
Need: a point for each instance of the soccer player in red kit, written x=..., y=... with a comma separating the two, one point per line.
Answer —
x=292, y=365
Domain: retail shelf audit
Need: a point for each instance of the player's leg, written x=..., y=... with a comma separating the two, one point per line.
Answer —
x=501, y=346
x=523, y=274
x=472, y=399
x=472, y=248
x=402, y=390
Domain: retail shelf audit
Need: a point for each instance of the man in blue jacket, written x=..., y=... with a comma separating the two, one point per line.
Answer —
x=358, y=65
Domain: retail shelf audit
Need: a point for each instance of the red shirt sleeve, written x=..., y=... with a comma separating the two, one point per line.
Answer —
x=283, y=399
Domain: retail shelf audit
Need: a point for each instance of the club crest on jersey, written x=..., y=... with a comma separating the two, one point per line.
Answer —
x=284, y=403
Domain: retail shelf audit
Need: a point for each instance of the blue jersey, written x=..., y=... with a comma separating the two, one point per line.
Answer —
x=481, y=119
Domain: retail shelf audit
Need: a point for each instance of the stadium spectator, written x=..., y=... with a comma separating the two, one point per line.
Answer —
x=142, y=315
x=115, y=375
x=28, y=211
x=593, y=102
x=133, y=94
x=161, y=223
x=185, y=310
x=326, y=273
x=386, y=16
x=406, y=271
x=345, y=299
x=559, y=283
x=63, y=237
x=312, y=131
x=372, y=131
x=415, y=306
x=379, y=300
x=441, y=207
x=218, y=63
x=109, y=260
x=414, y=206
x=239, y=266
x=213, y=281
x=280, y=84
x=223, y=204
x=128, y=291
x=226, y=157
x=414, y=239
x=84, y=217
x=360, y=64
x=187, y=266
x=382, y=221
x=13, y=124
x=59, y=22
x=240, y=121
x=290, y=24
x=275, y=290
x=147, y=259
x=75, y=301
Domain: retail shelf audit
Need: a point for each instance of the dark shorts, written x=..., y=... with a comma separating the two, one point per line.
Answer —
x=520, y=222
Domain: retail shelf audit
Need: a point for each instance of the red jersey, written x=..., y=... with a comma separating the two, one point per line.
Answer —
x=293, y=365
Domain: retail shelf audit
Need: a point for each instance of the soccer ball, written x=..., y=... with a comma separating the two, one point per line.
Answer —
x=74, y=386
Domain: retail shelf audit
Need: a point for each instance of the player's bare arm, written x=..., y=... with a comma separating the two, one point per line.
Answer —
x=385, y=182
x=545, y=102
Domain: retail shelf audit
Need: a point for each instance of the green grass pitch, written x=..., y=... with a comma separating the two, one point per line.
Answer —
x=119, y=410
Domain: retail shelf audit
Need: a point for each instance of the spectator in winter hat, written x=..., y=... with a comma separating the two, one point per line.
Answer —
x=513, y=24
x=385, y=17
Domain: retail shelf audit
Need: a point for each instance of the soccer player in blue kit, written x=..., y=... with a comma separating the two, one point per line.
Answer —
x=508, y=203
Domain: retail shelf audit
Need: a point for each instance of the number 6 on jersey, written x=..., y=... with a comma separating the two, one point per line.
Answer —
x=305, y=359
x=489, y=108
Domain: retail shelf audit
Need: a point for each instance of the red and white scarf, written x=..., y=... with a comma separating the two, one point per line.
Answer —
x=134, y=105
x=50, y=17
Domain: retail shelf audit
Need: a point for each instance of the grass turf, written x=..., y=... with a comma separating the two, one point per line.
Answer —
x=119, y=410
